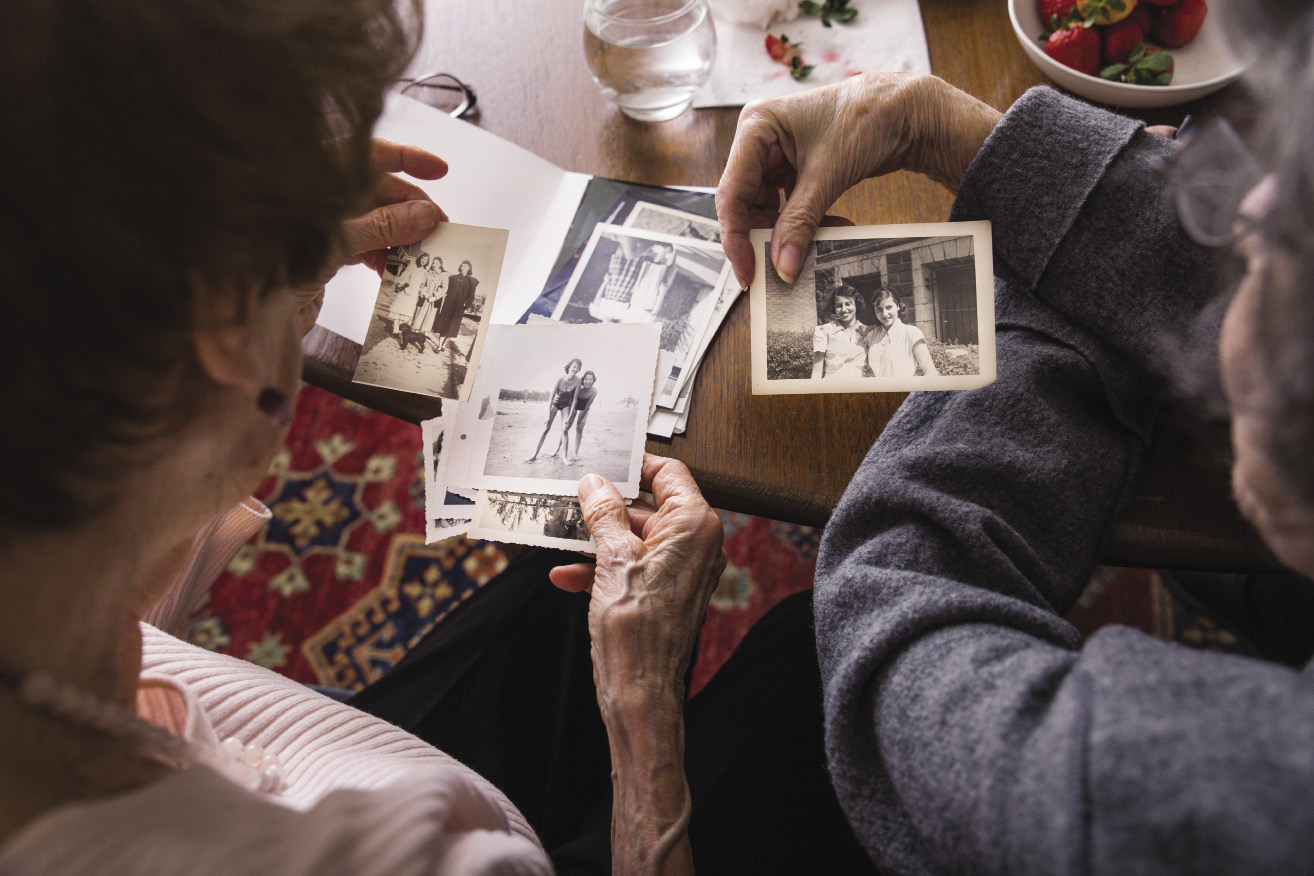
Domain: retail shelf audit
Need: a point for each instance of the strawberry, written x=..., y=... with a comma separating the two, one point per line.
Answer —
x=1178, y=25
x=1075, y=46
x=782, y=51
x=1054, y=13
x=1118, y=41
x=1105, y=11
x=1140, y=15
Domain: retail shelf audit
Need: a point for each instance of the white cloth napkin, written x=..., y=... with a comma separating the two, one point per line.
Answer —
x=886, y=35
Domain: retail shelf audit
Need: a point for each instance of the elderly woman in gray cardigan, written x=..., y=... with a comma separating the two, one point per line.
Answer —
x=968, y=726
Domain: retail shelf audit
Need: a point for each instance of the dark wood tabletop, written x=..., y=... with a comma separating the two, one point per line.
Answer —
x=784, y=457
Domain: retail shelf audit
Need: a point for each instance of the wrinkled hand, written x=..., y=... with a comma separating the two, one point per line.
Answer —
x=403, y=213
x=815, y=145
x=655, y=572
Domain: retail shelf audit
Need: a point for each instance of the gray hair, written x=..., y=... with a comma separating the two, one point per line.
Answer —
x=1280, y=41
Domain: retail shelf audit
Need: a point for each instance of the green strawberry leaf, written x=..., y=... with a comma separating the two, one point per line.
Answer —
x=1113, y=71
x=801, y=72
x=1162, y=79
x=1158, y=62
x=1137, y=53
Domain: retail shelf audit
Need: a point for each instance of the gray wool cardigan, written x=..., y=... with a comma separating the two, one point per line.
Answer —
x=968, y=727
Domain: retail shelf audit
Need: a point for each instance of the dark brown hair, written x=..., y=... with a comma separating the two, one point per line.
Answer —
x=156, y=149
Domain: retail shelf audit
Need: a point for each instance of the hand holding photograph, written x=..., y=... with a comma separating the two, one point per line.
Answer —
x=431, y=314
x=880, y=308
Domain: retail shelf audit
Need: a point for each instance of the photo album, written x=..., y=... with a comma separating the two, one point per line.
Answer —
x=567, y=323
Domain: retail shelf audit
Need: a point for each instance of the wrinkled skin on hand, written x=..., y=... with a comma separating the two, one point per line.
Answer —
x=656, y=568
x=403, y=213
x=815, y=145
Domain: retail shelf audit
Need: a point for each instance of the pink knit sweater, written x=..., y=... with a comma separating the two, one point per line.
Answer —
x=362, y=797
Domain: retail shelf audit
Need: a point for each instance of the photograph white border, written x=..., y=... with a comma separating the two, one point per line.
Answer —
x=465, y=460
x=488, y=525
x=641, y=207
x=435, y=491
x=700, y=327
x=448, y=235
x=982, y=253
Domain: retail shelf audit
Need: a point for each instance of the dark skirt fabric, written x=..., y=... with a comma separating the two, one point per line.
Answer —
x=506, y=686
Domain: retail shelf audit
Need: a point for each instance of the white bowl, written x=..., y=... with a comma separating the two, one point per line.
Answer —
x=1201, y=67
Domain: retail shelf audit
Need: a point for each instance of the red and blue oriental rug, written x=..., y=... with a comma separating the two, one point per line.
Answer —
x=340, y=583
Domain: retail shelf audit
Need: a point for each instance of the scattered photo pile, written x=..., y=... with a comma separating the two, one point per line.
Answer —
x=551, y=403
x=631, y=258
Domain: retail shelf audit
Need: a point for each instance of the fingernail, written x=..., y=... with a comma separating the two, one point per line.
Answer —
x=790, y=262
x=589, y=485
x=423, y=215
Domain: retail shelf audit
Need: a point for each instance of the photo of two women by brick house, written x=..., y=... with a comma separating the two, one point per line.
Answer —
x=876, y=308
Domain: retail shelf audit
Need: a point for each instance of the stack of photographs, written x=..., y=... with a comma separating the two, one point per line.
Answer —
x=646, y=255
x=550, y=404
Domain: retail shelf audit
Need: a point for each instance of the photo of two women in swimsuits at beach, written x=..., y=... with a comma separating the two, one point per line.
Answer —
x=564, y=401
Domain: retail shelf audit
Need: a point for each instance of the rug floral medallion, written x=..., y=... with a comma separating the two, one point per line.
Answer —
x=340, y=583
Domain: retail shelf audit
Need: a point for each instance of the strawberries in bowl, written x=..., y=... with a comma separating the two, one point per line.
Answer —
x=1118, y=29
x=1140, y=73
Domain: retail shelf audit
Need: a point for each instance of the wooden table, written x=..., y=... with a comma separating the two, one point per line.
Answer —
x=784, y=457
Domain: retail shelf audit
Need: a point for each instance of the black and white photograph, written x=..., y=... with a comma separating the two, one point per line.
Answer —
x=880, y=308
x=546, y=521
x=647, y=216
x=553, y=403
x=627, y=275
x=446, y=513
x=431, y=314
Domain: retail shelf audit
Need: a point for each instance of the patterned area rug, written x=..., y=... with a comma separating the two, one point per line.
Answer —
x=340, y=583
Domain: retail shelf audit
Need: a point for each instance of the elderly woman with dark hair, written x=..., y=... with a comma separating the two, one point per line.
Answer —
x=969, y=728
x=229, y=186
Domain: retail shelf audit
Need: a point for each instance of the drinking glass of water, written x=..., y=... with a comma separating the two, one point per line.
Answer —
x=649, y=56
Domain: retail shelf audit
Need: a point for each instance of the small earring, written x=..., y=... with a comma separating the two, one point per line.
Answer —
x=276, y=406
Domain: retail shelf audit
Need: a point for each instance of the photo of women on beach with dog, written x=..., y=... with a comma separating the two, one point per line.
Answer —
x=896, y=308
x=429, y=320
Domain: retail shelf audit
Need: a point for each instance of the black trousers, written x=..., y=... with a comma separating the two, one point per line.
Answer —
x=505, y=685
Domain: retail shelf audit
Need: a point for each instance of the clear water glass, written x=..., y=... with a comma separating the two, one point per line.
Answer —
x=649, y=57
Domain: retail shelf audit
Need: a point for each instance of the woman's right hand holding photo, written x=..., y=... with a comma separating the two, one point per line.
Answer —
x=655, y=572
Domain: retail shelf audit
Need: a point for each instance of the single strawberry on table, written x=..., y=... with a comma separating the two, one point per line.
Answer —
x=1177, y=25
x=782, y=51
x=1075, y=46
